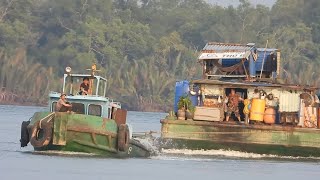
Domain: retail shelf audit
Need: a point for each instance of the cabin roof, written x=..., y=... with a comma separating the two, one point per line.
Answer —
x=214, y=50
x=80, y=97
x=233, y=47
x=267, y=49
x=227, y=47
x=240, y=83
x=85, y=75
x=84, y=98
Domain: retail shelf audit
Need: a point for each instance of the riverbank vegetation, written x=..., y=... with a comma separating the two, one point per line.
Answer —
x=143, y=46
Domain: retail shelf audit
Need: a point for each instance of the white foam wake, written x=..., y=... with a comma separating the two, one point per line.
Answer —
x=225, y=154
x=149, y=143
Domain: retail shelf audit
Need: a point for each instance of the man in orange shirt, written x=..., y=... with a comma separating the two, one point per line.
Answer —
x=233, y=103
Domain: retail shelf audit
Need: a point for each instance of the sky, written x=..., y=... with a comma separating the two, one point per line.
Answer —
x=268, y=3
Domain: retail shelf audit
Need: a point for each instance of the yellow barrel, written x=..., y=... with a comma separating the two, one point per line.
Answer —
x=257, y=109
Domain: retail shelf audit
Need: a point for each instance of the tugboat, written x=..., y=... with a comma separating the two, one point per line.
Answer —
x=91, y=123
x=241, y=104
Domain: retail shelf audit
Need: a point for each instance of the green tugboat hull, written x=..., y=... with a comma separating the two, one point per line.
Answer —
x=261, y=139
x=87, y=134
x=135, y=150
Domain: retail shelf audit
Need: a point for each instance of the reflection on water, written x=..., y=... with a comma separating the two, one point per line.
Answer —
x=24, y=163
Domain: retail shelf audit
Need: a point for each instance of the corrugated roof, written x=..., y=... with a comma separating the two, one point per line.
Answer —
x=267, y=49
x=226, y=47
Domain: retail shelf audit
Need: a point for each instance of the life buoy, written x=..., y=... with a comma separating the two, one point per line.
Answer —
x=41, y=135
x=24, y=140
x=123, y=137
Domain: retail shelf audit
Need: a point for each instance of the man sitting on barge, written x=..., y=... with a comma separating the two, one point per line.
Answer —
x=233, y=103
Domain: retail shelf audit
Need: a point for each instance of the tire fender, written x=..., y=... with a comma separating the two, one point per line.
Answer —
x=46, y=128
x=123, y=137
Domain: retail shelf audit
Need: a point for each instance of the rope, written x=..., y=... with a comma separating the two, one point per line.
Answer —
x=49, y=115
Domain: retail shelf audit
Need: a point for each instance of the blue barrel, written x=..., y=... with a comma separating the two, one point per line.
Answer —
x=182, y=89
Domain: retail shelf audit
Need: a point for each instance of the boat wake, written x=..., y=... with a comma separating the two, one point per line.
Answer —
x=154, y=145
x=187, y=154
x=150, y=143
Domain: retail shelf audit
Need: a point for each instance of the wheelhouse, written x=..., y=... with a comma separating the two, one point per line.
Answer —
x=95, y=103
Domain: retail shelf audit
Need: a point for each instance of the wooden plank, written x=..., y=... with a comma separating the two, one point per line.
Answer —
x=208, y=114
x=60, y=130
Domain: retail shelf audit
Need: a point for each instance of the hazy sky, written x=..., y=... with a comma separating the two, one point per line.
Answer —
x=236, y=2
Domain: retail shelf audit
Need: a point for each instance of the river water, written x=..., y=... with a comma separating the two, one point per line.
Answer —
x=22, y=163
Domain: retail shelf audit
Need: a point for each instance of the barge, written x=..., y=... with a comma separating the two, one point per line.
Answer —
x=241, y=104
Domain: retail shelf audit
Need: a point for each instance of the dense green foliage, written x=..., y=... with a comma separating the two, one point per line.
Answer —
x=144, y=46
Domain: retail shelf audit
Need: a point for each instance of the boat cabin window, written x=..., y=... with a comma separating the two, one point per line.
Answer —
x=53, y=108
x=94, y=110
x=78, y=108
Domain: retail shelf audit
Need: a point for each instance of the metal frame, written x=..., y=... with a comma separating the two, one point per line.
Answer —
x=99, y=78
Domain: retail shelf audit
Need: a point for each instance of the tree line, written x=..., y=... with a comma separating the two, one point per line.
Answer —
x=143, y=46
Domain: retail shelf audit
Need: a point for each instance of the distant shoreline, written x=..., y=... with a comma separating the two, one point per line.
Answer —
x=43, y=105
x=22, y=104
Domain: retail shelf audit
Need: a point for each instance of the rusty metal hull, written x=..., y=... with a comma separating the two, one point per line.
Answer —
x=135, y=150
x=262, y=139
x=88, y=134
